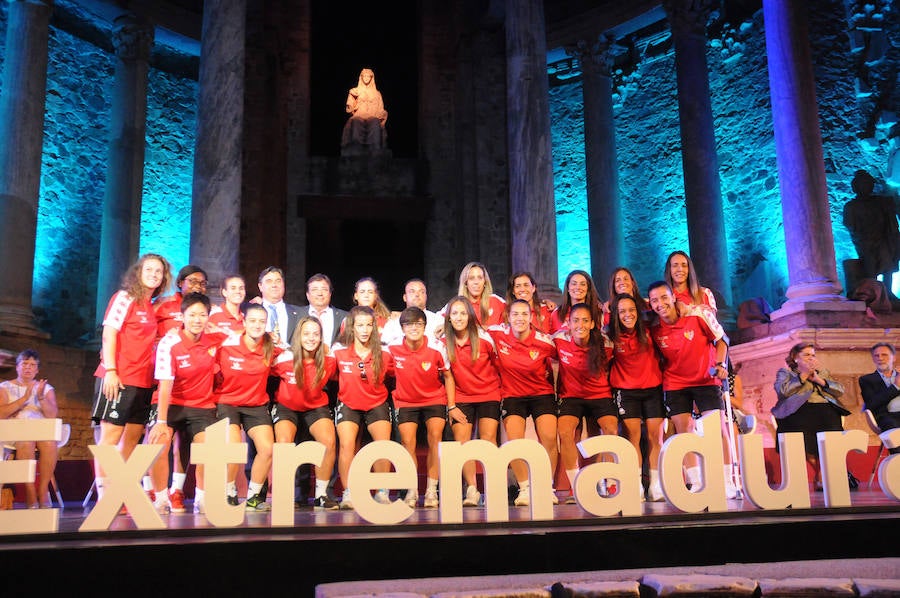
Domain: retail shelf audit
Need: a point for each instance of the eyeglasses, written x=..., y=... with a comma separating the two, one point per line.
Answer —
x=195, y=281
x=418, y=324
x=362, y=371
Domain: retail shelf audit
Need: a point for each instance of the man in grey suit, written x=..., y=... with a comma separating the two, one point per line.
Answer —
x=318, y=292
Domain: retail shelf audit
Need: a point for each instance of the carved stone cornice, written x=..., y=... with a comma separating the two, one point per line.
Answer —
x=132, y=37
x=689, y=16
x=595, y=56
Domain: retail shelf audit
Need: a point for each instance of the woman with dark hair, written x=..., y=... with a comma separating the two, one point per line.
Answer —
x=362, y=396
x=579, y=288
x=522, y=286
x=229, y=315
x=622, y=282
x=525, y=359
x=244, y=363
x=583, y=385
x=637, y=382
x=808, y=401
x=367, y=294
x=473, y=362
x=301, y=398
x=682, y=277
x=475, y=285
x=126, y=365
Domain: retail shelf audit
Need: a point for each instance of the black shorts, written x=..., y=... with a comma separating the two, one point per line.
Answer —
x=191, y=420
x=421, y=414
x=477, y=411
x=525, y=406
x=381, y=412
x=593, y=409
x=307, y=418
x=131, y=406
x=247, y=417
x=640, y=403
x=681, y=401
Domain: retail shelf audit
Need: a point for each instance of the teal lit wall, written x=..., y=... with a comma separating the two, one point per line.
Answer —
x=648, y=145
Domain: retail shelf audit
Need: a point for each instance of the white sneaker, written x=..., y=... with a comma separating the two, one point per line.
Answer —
x=431, y=499
x=473, y=497
x=553, y=496
x=383, y=497
x=346, y=504
x=731, y=491
x=199, y=508
x=162, y=507
x=655, y=493
x=412, y=499
x=521, y=499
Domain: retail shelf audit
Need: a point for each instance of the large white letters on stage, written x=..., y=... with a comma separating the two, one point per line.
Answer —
x=123, y=486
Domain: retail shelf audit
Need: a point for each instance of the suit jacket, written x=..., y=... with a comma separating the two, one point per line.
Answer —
x=876, y=395
x=339, y=315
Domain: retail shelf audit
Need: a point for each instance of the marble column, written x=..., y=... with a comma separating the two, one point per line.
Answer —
x=601, y=164
x=21, y=142
x=700, y=164
x=121, y=230
x=812, y=268
x=216, y=210
x=531, y=203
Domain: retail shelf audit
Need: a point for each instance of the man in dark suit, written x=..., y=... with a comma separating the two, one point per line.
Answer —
x=881, y=389
x=318, y=292
x=283, y=317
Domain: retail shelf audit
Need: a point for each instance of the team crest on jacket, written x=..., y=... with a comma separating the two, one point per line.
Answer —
x=534, y=354
x=689, y=334
x=426, y=365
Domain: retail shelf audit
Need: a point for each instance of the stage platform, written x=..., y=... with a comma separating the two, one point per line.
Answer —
x=340, y=546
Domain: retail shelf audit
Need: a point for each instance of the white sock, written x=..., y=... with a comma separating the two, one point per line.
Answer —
x=654, y=478
x=524, y=486
x=178, y=481
x=571, y=473
x=729, y=475
x=199, y=495
x=101, y=486
x=321, y=488
x=147, y=483
x=693, y=475
x=431, y=485
x=231, y=489
x=253, y=488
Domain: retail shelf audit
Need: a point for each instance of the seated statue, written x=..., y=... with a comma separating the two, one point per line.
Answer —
x=872, y=222
x=364, y=130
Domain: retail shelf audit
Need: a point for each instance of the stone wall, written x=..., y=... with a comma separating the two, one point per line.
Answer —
x=650, y=175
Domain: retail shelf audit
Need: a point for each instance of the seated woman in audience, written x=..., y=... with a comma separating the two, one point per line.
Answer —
x=808, y=401
x=682, y=277
x=362, y=367
x=473, y=362
x=301, y=399
x=636, y=380
x=579, y=288
x=26, y=397
x=522, y=286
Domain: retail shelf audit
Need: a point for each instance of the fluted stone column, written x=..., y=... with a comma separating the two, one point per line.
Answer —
x=121, y=230
x=601, y=164
x=21, y=142
x=216, y=211
x=703, y=197
x=531, y=203
x=812, y=269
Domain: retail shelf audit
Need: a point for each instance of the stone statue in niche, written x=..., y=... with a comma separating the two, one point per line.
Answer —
x=872, y=222
x=364, y=132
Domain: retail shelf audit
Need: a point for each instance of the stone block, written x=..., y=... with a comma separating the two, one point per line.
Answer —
x=801, y=587
x=497, y=593
x=877, y=588
x=699, y=585
x=603, y=589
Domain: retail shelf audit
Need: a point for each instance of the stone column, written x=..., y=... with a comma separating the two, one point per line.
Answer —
x=531, y=203
x=216, y=211
x=700, y=164
x=121, y=230
x=21, y=142
x=812, y=269
x=601, y=164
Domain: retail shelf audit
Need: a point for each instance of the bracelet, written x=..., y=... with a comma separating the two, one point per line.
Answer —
x=721, y=364
x=110, y=369
x=161, y=421
x=449, y=409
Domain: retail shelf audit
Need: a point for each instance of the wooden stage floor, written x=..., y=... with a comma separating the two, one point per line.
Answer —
x=340, y=546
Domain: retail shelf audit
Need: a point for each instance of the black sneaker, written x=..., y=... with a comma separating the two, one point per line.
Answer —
x=256, y=503
x=323, y=503
x=233, y=500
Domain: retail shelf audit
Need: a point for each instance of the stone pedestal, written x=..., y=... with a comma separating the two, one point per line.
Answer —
x=216, y=211
x=532, y=206
x=21, y=140
x=703, y=199
x=121, y=229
